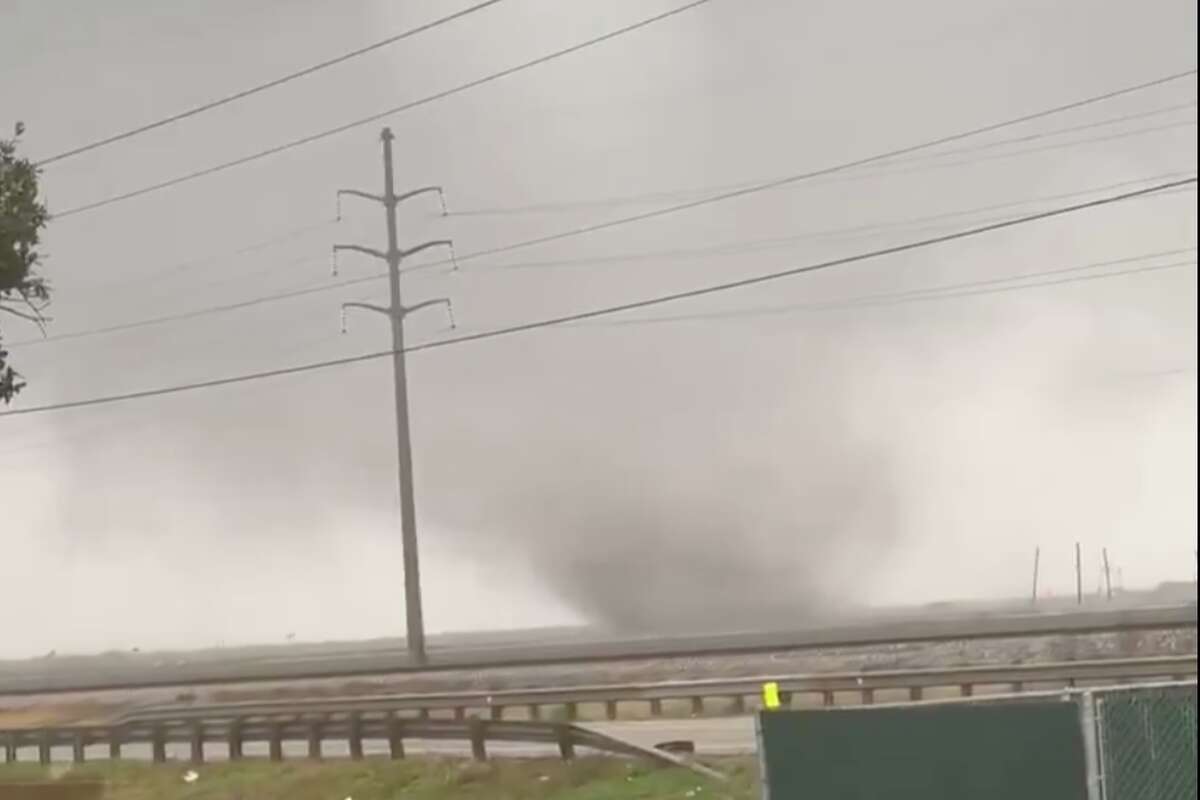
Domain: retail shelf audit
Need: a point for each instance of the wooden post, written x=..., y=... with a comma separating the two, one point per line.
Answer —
x=10, y=748
x=78, y=743
x=697, y=706
x=356, y=744
x=655, y=707
x=235, y=740
x=1107, y=575
x=827, y=697
x=868, y=696
x=739, y=704
x=478, y=740
x=610, y=709
x=395, y=737
x=915, y=693
x=197, y=743
x=497, y=712
x=44, y=748
x=114, y=743
x=276, y=741
x=535, y=711
x=572, y=710
x=566, y=743
x=158, y=744
x=314, y=739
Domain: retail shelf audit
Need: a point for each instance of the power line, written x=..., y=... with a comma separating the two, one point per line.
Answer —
x=732, y=248
x=377, y=116
x=1074, y=129
x=647, y=215
x=736, y=248
x=283, y=237
x=262, y=87
x=876, y=300
x=846, y=165
x=773, y=276
x=599, y=312
x=944, y=291
x=199, y=312
x=534, y=208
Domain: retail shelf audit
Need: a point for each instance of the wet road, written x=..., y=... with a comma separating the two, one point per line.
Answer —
x=129, y=670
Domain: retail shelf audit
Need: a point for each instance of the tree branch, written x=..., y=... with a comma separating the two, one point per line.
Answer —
x=35, y=317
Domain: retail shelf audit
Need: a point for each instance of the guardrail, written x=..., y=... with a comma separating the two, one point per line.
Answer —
x=354, y=728
x=736, y=690
x=355, y=720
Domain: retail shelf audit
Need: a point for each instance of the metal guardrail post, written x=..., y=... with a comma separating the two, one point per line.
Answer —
x=1091, y=756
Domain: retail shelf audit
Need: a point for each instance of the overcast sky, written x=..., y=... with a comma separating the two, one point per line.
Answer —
x=611, y=472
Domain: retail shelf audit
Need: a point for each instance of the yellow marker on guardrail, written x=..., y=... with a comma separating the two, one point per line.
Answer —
x=770, y=695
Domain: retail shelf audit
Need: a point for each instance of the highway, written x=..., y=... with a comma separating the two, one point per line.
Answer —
x=135, y=670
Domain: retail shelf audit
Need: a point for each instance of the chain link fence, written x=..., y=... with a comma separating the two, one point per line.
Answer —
x=1135, y=742
x=1145, y=742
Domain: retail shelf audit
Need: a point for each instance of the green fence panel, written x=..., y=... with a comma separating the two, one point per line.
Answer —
x=1031, y=751
x=1148, y=744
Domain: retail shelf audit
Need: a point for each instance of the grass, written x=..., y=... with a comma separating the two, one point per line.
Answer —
x=411, y=779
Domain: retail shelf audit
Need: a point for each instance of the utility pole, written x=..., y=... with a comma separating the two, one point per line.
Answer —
x=1078, y=575
x=1037, y=557
x=1107, y=575
x=396, y=312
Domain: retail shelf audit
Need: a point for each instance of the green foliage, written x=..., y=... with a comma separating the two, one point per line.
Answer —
x=23, y=293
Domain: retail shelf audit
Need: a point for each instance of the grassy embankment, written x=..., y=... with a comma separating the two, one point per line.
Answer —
x=378, y=779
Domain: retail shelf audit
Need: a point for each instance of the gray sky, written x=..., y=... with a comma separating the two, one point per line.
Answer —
x=620, y=473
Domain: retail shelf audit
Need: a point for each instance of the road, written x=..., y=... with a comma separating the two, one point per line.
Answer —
x=132, y=671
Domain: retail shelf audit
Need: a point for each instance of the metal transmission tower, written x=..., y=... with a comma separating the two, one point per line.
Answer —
x=396, y=312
